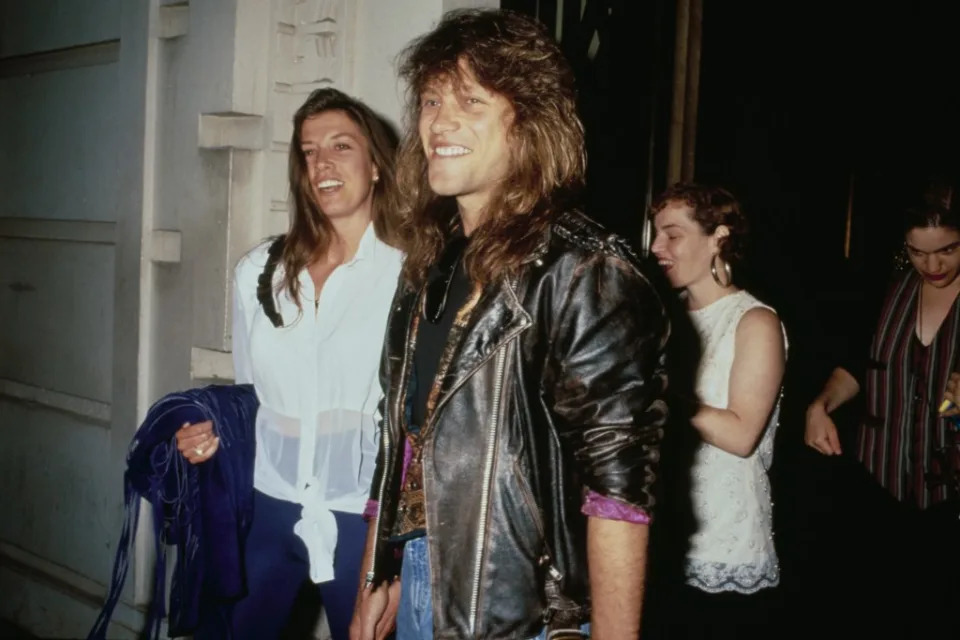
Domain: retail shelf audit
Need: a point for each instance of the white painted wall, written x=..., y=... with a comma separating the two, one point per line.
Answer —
x=143, y=150
x=65, y=179
x=29, y=26
x=384, y=27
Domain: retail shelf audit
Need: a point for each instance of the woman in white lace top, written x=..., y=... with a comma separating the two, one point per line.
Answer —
x=309, y=315
x=731, y=569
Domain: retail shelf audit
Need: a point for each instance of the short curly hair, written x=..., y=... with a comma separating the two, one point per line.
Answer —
x=712, y=206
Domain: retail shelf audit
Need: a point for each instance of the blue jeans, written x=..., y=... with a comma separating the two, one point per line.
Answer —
x=415, y=612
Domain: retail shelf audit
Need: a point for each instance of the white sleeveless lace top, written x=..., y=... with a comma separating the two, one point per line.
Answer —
x=732, y=549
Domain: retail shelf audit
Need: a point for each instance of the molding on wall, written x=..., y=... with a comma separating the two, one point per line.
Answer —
x=209, y=364
x=79, y=587
x=311, y=43
x=98, y=412
x=86, y=231
x=165, y=246
x=174, y=20
x=230, y=131
x=84, y=55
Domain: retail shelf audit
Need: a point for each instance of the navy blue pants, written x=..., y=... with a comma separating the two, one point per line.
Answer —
x=277, y=567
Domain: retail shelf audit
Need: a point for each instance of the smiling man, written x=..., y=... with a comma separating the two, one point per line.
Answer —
x=523, y=363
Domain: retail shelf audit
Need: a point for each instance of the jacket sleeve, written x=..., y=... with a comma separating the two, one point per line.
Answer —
x=380, y=419
x=372, y=508
x=382, y=412
x=609, y=380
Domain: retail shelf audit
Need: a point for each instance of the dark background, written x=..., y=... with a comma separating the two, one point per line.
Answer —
x=805, y=110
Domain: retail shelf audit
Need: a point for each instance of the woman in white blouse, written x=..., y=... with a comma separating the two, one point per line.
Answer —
x=731, y=569
x=310, y=311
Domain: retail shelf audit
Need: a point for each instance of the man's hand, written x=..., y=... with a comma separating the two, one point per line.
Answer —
x=375, y=615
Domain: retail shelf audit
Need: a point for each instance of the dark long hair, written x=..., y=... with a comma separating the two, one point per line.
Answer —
x=937, y=206
x=514, y=56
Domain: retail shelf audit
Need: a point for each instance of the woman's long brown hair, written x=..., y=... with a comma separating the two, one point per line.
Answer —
x=310, y=231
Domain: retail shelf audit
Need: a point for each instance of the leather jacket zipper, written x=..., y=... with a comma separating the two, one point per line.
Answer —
x=485, y=491
x=376, y=522
x=385, y=435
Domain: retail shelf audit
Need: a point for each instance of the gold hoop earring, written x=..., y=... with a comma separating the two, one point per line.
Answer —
x=726, y=268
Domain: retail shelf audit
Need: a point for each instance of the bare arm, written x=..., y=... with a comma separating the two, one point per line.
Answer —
x=366, y=611
x=375, y=613
x=841, y=387
x=755, y=378
x=820, y=431
x=610, y=411
x=367, y=561
x=617, y=560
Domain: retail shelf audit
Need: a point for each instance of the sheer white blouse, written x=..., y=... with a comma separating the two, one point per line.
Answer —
x=317, y=381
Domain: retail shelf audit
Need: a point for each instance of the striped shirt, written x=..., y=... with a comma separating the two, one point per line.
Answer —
x=902, y=440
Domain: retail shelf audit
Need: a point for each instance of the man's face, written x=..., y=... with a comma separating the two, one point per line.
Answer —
x=464, y=129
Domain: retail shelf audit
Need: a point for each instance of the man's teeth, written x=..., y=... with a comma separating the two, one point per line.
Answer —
x=447, y=152
x=327, y=184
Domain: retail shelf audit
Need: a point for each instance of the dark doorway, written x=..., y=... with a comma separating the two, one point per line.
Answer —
x=823, y=120
x=621, y=52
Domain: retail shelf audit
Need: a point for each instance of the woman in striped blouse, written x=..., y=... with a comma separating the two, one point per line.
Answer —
x=907, y=438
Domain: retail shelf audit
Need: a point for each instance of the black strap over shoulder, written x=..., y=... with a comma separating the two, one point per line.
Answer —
x=265, y=282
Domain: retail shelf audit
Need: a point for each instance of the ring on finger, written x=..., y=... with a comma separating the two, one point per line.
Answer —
x=198, y=451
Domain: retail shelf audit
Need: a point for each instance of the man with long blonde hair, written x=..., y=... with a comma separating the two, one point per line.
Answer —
x=523, y=363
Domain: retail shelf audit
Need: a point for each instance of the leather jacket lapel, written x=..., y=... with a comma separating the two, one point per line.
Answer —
x=402, y=333
x=492, y=317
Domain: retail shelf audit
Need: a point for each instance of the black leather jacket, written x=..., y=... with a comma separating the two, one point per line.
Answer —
x=555, y=385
